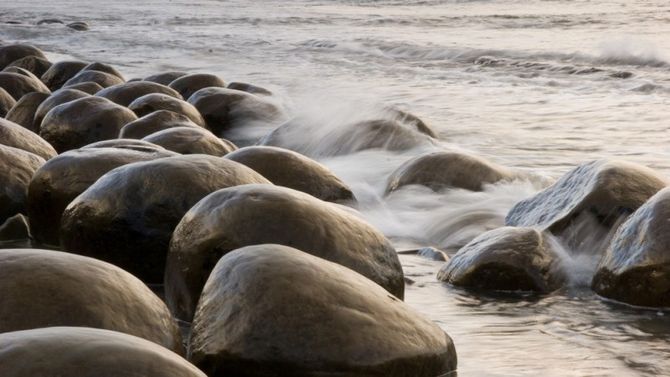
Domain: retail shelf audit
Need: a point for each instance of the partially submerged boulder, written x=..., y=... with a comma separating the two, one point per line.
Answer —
x=293, y=170
x=254, y=214
x=191, y=140
x=158, y=101
x=443, y=170
x=83, y=121
x=154, y=122
x=87, y=352
x=636, y=266
x=124, y=94
x=127, y=216
x=62, y=179
x=43, y=288
x=267, y=306
x=17, y=167
x=507, y=259
x=249, y=88
x=13, y=135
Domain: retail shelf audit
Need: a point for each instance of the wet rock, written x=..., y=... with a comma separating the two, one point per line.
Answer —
x=411, y=120
x=58, y=97
x=15, y=228
x=127, y=216
x=102, y=67
x=17, y=167
x=443, y=170
x=125, y=93
x=87, y=352
x=6, y=102
x=190, y=140
x=11, y=53
x=155, y=122
x=23, y=112
x=165, y=78
x=59, y=73
x=49, y=21
x=103, y=79
x=133, y=144
x=432, y=254
x=256, y=214
x=58, y=182
x=35, y=64
x=87, y=87
x=18, y=85
x=149, y=103
x=600, y=193
x=347, y=139
x=271, y=305
x=83, y=121
x=636, y=266
x=225, y=109
x=189, y=84
x=78, y=26
x=42, y=288
x=13, y=135
x=507, y=259
x=290, y=169
x=249, y=88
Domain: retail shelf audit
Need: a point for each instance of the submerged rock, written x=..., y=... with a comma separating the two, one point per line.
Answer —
x=188, y=84
x=59, y=73
x=506, y=259
x=601, y=193
x=158, y=101
x=269, y=305
x=83, y=121
x=127, y=216
x=17, y=167
x=78, y=26
x=290, y=169
x=124, y=94
x=43, y=288
x=13, y=135
x=254, y=214
x=23, y=112
x=191, y=140
x=442, y=170
x=636, y=266
x=87, y=352
x=63, y=178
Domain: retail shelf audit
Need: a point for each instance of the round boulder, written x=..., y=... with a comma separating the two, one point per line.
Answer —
x=293, y=170
x=266, y=306
x=124, y=94
x=13, y=135
x=15, y=228
x=254, y=214
x=133, y=144
x=87, y=352
x=23, y=112
x=103, y=79
x=58, y=97
x=61, y=72
x=150, y=103
x=102, y=67
x=636, y=266
x=249, y=88
x=35, y=64
x=507, y=259
x=442, y=170
x=83, y=121
x=63, y=178
x=154, y=122
x=189, y=84
x=86, y=87
x=18, y=85
x=13, y=52
x=165, y=78
x=17, y=167
x=191, y=140
x=43, y=288
x=127, y=216
x=6, y=102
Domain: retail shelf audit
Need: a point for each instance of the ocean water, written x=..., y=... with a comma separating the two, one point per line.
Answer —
x=538, y=86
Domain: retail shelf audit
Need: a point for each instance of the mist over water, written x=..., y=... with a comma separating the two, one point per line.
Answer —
x=538, y=86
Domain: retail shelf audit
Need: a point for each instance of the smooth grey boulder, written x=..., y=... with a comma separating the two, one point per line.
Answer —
x=154, y=122
x=89, y=87
x=60, y=72
x=13, y=135
x=255, y=214
x=102, y=67
x=127, y=216
x=6, y=102
x=15, y=228
x=507, y=259
x=165, y=78
x=23, y=112
x=293, y=170
x=272, y=310
x=124, y=94
x=13, y=52
x=18, y=85
x=188, y=84
x=17, y=167
x=636, y=266
x=191, y=140
x=249, y=88
x=132, y=144
x=103, y=79
x=44, y=288
x=35, y=64
x=84, y=121
x=87, y=352
x=443, y=170
x=56, y=98
x=152, y=102
x=63, y=178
